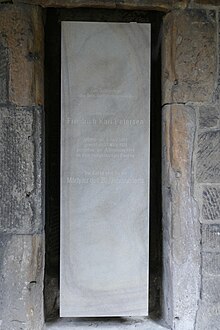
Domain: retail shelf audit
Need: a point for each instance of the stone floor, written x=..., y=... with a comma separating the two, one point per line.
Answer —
x=114, y=323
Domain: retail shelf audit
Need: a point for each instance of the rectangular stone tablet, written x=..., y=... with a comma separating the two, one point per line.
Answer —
x=105, y=132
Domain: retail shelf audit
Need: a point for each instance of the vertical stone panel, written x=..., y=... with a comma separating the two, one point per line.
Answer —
x=21, y=168
x=190, y=56
x=180, y=219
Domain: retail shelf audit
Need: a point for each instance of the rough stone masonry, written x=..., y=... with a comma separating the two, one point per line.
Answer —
x=21, y=211
x=191, y=160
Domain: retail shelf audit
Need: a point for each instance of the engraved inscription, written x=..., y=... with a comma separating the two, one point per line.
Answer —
x=104, y=169
x=104, y=148
x=104, y=121
x=104, y=180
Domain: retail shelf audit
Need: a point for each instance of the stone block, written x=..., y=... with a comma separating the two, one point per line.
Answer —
x=21, y=170
x=21, y=35
x=210, y=290
x=209, y=116
x=21, y=282
x=181, y=228
x=211, y=263
x=208, y=317
x=189, y=56
x=211, y=237
x=208, y=155
x=211, y=203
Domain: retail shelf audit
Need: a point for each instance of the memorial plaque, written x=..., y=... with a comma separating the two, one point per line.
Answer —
x=105, y=169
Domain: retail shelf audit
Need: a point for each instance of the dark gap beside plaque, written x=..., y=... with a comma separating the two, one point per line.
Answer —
x=52, y=110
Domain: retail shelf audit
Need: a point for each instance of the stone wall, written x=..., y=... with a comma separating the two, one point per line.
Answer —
x=191, y=169
x=191, y=161
x=21, y=181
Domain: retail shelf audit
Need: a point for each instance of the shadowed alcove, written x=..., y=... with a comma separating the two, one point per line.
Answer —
x=52, y=111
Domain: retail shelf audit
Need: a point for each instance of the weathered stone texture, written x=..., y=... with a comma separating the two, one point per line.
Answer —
x=208, y=317
x=211, y=203
x=3, y=74
x=163, y=5
x=180, y=219
x=211, y=237
x=189, y=56
x=22, y=36
x=208, y=156
x=211, y=290
x=209, y=116
x=211, y=263
x=21, y=282
x=21, y=170
x=209, y=307
x=208, y=2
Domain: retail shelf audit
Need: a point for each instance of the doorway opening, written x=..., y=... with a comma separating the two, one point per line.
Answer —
x=52, y=129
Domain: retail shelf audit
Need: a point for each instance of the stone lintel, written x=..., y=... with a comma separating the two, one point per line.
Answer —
x=160, y=5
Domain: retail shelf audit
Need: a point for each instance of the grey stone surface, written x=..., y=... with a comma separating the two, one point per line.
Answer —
x=211, y=290
x=189, y=56
x=181, y=227
x=208, y=155
x=211, y=202
x=125, y=323
x=21, y=170
x=209, y=116
x=209, y=306
x=211, y=263
x=105, y=169
x=21, y=282
x=211, y=237
x=22, y=34
x=208, y=317
x=3, y=74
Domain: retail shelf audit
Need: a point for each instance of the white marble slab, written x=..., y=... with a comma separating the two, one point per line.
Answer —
x=104, y=169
